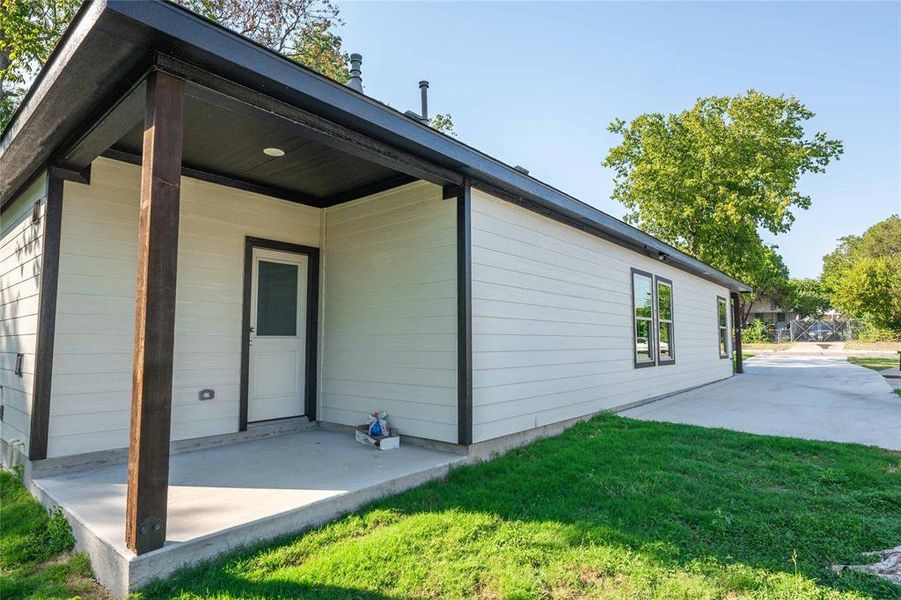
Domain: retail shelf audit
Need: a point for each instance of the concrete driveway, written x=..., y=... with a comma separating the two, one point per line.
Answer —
x=816, y=397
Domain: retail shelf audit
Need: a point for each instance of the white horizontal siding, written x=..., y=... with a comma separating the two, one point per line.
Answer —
x=21, y=245
x=552, y=324
x=92, y=366
x=390, y=289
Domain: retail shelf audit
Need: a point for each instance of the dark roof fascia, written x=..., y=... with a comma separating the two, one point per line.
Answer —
x=83, y=21
x=169, y=28
x=83, y=73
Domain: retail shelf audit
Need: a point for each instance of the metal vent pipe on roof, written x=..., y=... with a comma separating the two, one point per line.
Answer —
x=424, y=93
x=356, y=74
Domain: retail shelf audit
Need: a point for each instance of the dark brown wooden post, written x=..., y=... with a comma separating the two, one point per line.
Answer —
x=464, y=313
x=736, y=329
x=151, y=398
x=43, y=367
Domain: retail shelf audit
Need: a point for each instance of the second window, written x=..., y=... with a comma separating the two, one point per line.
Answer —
x=666, y=352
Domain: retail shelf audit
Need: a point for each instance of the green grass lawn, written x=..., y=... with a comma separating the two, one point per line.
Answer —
x=35, y=550
x=613, y=508
x=877, y=363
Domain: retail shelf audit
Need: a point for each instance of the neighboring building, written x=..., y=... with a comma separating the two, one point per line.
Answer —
x=770, y=312
x=294, y=249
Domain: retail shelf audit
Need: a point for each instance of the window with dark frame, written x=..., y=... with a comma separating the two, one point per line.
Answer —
x=723, y=322
x=666, y=352
x=653, y=320
x=643, y=318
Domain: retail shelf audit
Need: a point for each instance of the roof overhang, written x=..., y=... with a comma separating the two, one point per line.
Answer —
x=86, y=95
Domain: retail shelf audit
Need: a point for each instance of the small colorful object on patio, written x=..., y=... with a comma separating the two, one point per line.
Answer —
x=378, y=434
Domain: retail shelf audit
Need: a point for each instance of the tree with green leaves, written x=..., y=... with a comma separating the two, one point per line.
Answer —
x=443, y=123
x=871, y=289
x=317, y=46
x=709, y=178
x=808, y=298
x=862, y=276
x=302, y=30
x=882, y=239
x=29, y=29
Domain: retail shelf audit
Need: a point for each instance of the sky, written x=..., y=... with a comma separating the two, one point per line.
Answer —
x=536, y=84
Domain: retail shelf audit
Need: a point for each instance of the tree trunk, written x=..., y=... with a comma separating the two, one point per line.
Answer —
x=5, y=62
x=745, y=311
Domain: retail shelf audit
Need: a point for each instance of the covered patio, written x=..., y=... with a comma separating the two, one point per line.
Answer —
x=232, y=495
x=217, y=159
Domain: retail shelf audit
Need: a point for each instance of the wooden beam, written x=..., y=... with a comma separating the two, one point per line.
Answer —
x=151, y=401
x=464, y=313
x=224, y=180
x=43, y=368
x=736, y=330
x=105, y=129
x=369, y=189
x=451, y=192
x=66, y=174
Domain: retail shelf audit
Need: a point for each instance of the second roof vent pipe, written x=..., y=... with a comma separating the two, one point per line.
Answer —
x=423, y=115
x=356, y=74
x=424, y=93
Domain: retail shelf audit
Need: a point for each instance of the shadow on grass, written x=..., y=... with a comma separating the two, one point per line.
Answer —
x=239, y=587
x=612, y=496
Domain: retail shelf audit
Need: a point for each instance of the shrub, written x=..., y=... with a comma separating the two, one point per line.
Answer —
x=57, y=535
x=757, y=333
x=869, y=332
x=871, y=289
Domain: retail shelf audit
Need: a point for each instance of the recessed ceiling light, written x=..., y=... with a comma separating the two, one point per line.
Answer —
x=273, y=152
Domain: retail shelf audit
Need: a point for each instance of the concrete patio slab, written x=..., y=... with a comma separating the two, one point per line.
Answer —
x=804, y=395
x=230, y=496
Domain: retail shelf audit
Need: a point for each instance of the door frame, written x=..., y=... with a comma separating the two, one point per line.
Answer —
x=311, y=368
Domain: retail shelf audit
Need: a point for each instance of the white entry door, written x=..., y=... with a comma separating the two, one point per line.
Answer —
x=278, y=317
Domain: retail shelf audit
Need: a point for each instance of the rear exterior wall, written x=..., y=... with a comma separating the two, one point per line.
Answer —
x=92, y=363
x=552, y=323
x=387, y=330
x=390, y=320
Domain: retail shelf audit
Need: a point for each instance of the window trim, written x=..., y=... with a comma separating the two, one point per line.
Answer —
x=672, y=321
x=725, y=328
x=653, y=361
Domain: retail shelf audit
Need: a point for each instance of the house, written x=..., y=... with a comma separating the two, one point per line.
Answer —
x=769, y=311
x=203, y=241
